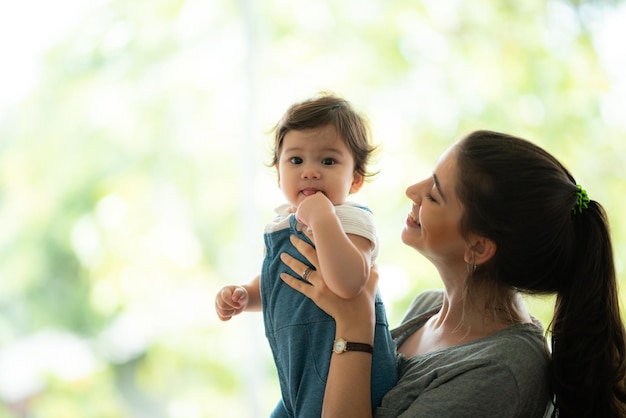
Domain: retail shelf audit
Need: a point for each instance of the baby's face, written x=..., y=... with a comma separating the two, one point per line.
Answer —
x=315, y=160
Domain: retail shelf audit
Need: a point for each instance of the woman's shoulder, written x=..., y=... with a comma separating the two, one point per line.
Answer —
x=517, y=353
x=518, y=345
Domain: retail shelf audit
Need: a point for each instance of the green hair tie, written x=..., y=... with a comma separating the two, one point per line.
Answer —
x=583, y=200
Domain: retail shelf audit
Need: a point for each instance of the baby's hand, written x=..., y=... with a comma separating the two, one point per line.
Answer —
x=230, y=301
x=314, y=205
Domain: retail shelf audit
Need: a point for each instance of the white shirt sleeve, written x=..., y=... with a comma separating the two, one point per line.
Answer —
x=359, y=221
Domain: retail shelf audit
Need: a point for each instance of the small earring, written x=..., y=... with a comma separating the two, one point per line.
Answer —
x=471, y=267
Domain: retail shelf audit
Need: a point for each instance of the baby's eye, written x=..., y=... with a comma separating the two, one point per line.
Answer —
x=328, y=161
x=295, y=160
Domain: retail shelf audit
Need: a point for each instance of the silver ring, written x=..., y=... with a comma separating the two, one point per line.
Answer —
x=307, y=272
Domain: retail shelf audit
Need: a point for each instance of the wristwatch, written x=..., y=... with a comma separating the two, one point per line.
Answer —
x=341, y=346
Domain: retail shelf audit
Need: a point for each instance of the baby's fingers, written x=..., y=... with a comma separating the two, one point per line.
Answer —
x=239, y=296
x=224, y=312
x=228, y=302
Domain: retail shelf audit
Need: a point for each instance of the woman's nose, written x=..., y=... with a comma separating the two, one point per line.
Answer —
x=413, y=192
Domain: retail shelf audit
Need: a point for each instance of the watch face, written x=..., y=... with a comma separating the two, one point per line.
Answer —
x=340, y=346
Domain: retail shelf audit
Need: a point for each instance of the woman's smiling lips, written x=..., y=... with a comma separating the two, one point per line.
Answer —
x=412, y=220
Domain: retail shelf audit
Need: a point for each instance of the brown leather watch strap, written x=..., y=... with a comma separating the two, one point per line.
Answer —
x=367, y=348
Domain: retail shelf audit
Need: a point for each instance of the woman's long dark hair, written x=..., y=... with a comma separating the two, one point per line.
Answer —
x=526, y=201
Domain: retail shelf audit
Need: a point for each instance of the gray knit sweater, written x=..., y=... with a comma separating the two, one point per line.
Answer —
x=502, y=375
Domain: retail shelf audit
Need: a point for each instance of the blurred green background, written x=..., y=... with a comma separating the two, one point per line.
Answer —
x=133, y=141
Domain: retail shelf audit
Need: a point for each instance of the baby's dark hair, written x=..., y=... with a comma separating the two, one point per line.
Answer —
x=328, y=109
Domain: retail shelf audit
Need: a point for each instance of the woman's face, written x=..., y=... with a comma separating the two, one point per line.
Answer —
x=432, y=226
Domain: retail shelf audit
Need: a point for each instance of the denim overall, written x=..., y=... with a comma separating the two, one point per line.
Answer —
x=301, y=335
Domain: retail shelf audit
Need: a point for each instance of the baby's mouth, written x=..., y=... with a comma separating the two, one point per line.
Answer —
x=309, y=192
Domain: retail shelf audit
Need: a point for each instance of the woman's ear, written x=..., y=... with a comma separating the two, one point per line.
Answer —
x=357, y=182
x=480, y=250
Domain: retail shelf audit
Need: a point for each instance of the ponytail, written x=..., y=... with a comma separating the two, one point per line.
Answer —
x=551, y=238
x=588, y=366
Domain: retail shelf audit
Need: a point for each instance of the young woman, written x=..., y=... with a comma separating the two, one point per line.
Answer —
x=499, y=217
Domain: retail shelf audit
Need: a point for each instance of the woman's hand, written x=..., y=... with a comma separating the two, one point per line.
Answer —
x=356, y=314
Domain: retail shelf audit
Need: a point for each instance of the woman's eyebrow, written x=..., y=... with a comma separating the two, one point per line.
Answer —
x=438, y=187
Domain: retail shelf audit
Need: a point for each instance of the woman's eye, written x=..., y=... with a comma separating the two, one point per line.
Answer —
x=328, y=161
x=295, y=160
x=430, y=197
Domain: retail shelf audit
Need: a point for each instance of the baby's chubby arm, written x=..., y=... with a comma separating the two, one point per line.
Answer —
x=234, y=299
x=344, y=259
